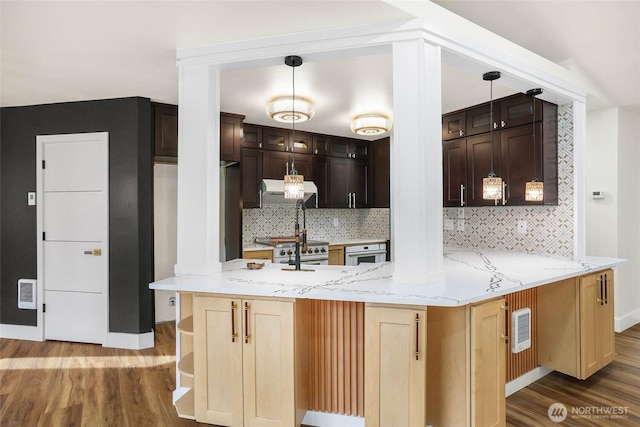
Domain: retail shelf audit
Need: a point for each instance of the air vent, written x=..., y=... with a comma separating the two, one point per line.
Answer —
x=520, y=330
x=27, y=294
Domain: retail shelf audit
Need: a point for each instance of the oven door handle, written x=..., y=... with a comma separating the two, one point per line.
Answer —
x=367, y=253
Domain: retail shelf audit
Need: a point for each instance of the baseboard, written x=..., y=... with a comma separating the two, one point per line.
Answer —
x=20, y=332
x=325, y=419
x=130, y=341
x=627, y=321
x=524, y=380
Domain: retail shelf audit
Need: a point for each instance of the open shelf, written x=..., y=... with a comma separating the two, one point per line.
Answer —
x=186, y=325
x=185, y=406
x=185, y=365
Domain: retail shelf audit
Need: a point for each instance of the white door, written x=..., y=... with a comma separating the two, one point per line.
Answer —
x=73, y=225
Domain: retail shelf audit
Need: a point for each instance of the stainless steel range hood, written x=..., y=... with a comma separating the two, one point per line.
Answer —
x=273, y=193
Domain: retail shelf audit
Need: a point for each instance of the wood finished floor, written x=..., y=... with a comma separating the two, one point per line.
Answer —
x=53, y=384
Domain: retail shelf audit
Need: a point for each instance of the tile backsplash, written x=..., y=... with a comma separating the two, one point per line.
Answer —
x=549, y=228
x=322, y=224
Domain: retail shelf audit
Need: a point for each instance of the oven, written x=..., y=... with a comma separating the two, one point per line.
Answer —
x=355, y=255
x=317, y=252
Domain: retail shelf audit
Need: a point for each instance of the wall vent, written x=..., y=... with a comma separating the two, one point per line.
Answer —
x=520, y=330
x=27, y=293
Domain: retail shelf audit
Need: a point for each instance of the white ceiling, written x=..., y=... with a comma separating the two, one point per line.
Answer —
x=69, y=51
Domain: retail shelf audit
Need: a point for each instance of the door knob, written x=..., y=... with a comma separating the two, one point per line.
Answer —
x=95, y=252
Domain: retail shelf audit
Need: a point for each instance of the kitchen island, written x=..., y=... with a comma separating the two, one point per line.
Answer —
x=271, y=345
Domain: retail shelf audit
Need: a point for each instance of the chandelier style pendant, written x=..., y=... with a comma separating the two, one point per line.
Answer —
x=534, y=189
x=492, y=185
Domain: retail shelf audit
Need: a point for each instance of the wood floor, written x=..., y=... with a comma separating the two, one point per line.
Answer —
x=65, y=384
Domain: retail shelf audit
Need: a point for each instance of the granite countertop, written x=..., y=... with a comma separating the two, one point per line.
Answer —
x=471, y=276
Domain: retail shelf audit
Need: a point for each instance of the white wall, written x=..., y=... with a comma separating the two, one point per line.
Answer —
x=165, y=202
x=612, y=226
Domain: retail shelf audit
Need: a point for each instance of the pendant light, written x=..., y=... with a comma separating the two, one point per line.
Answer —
x=534, y=189
x=293, y=183
x=492, y=184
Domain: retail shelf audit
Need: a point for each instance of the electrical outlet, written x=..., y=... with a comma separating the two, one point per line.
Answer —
x=460, y=225
x=31, y=198
x=448, y=224
x=336, y=222
x=172, y=301
x=522, y=227
x=460, y=213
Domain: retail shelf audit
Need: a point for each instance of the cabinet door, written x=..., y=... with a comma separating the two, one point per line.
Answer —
x=358, y=170
x=251, y=165
x=303, y=142
x=166, y=130
x=321, y=145
x=453, y=126
x=517, y=150
x=340, y=197
x=268, y=359
x=518, y=110
x=454, y=169
x=322, y=179
x=479, y=166
x=252, y=136
x=340, y=147
x=479, y=119
x=380, y=183
x=276, y=164
x=395, y=367
x=359, y=149
x=596, y=312
x=230, y=137
x=276, y=139
x=488, y=364
x=218, y=367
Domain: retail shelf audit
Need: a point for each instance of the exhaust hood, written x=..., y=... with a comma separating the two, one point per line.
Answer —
x=273, y=192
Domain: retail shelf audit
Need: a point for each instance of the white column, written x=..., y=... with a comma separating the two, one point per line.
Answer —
x=416, y=164
x=579, y=176
x=198, y=170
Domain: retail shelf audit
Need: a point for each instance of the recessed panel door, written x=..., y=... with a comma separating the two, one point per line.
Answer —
x=73, y=215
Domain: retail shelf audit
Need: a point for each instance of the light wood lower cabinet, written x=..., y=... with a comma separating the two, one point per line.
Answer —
x=576, y=324
x=336, y=255
x=466, y=365
x=395, y=366
x=246, y=362
x=261, y=254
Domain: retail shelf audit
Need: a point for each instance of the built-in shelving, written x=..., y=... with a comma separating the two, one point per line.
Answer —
x=185, y=365
x=186, y=325
x=185, y=406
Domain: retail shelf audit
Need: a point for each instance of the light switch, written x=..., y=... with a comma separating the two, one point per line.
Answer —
x=448, y=224
x=522, y=227
x=460, y=225
x=31, y=198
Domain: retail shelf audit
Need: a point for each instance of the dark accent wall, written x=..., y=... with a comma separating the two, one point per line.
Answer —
x=128, y=121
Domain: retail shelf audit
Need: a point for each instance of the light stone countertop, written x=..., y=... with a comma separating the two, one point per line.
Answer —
x=471, y=276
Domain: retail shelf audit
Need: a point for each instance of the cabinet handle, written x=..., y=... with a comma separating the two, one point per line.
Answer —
x=287, y=169
x=461, y=132
x=606, y=288
x=417, y=336
x=246, y=323
x=495, y=125
x=461, y=195
x=233, y=322
x=600, y=300
x=503, y=123
x=315, y=151
x=353, y=205
x=259, y=144
x=260, y=197
x=504, y=193
x=349, y=199
x=505, y=335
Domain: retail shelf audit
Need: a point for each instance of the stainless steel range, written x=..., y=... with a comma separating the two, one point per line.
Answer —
x=317, y=252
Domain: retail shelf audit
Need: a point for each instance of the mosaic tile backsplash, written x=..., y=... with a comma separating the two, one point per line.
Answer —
x=549, y=228
x=279, y=220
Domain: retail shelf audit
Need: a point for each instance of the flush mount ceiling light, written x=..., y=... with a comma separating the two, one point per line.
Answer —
x=293, y=183
x=286, y=109
x=534, y=189
x=371, y=124
x=492, y=186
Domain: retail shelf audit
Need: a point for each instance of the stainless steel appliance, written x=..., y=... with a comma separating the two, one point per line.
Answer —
x=354, y=255
x=317, y=252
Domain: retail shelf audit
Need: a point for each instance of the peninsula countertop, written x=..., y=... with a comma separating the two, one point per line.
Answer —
x=471, y=276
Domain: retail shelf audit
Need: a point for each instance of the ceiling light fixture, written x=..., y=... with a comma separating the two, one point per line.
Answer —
x=286, y=109
x=492, y=186
x=371, y=124
x=293, y=183
x=534, y=189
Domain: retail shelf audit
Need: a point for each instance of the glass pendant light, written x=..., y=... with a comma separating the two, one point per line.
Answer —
x=492, y=184
x=293, y=183
x=534, y=189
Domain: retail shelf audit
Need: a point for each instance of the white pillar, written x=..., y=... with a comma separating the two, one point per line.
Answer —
x=198, y=170
x=579, y=176
x=416, y=169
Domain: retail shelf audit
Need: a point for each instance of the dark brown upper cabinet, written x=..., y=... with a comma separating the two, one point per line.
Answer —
x=230, y=137
x=518, y=110
x=379, y=173
x=252, y=136
x=350, y=148
x=165, y=130
x=321, y=145
x=454, y=126
x=454, y=168
x=251, y=168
